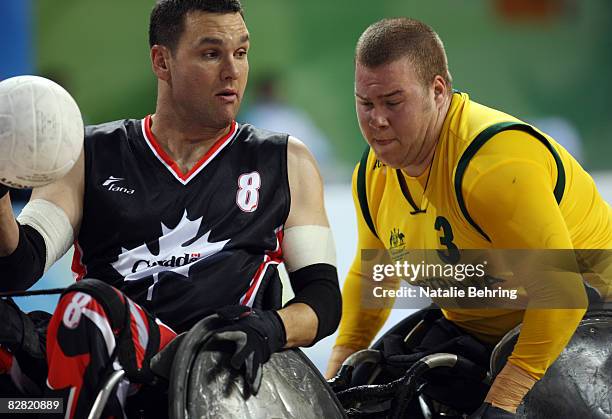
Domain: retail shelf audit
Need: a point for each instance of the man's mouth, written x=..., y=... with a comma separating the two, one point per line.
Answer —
x=383, y=141
x=228, y=94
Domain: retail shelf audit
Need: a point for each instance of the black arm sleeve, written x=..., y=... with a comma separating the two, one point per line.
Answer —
x=22, y=268
x=317, y=286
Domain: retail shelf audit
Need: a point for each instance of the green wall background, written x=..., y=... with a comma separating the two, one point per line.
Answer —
x=561, y=67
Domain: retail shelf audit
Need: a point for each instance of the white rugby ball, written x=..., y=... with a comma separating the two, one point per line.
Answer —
x=41, y=131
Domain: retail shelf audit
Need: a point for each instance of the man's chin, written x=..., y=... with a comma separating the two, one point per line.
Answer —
x=223, y=121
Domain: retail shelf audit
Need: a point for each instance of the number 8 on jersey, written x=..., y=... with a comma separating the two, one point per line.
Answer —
x=247, y=196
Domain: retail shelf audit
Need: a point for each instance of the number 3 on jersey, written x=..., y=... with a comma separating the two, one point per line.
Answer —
x=247, y=197
x=451, y=255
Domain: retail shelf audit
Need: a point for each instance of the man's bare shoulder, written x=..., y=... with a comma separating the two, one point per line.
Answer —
x=298, y=154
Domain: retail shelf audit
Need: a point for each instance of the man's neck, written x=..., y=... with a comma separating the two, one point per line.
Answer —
x=185, y=143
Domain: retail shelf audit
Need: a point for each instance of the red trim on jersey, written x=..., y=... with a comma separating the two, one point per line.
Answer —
x=78, y=268
x=277, y=254
x=274, y=257
x=139, y=349
x=171, y=164
x=65, y=371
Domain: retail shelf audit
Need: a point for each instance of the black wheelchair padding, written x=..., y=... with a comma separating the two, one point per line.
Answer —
x=118, y=313
x=445, y=385
x=577, y=385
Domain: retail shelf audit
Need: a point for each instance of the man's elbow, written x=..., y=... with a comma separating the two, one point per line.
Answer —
x=317, y=286
x=333, y=314
x=22, y=268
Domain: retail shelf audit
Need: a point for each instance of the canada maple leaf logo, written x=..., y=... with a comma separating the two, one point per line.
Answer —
x=178, y=251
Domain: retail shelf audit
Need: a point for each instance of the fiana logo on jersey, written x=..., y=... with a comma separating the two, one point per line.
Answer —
x=111, y=185
x=178, y=251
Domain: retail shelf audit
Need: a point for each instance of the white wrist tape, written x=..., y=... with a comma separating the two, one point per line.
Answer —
x=308, y=245
x=53, y=225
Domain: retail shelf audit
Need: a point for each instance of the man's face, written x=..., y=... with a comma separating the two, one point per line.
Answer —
x=209, y=67
x=396, y=111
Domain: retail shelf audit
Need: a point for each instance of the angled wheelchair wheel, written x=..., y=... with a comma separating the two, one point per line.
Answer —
x=203, y=385
x=579, y=383
x=291, y=388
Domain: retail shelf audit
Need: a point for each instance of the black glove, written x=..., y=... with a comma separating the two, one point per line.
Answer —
x=486, y=411
x=3, y=190
x=256, y=335
x=17, y=331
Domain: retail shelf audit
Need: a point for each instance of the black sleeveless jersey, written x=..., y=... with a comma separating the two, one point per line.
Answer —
x=183, y=244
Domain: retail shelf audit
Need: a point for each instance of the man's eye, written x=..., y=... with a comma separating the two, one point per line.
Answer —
x=242, y=53
x=210, y=54
x=392, y=104
x=366, y=104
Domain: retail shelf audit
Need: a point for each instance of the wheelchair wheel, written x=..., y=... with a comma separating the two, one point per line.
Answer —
x=203, y=385
x=579, y=383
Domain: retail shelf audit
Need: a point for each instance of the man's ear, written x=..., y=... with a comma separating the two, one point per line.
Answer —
x=440, y=88
x=160, y=57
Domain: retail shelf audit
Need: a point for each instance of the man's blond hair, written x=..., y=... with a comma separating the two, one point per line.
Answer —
x=391, y=39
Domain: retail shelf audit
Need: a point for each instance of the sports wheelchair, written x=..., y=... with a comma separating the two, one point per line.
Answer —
x=389, y=380
x=201, y=384
x=393, y=380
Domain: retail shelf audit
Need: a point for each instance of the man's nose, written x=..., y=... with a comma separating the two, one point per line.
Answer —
x=378, y=120
x=230, y=71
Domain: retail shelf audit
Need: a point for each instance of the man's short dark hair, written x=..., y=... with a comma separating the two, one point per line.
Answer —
x=167, y=21
x=390, y=39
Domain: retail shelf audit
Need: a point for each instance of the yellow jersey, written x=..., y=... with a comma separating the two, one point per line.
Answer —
x=494, y=182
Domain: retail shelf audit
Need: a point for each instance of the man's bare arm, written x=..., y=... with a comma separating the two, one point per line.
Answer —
x=44, y=231
x=9, y=233
x=67, y=193
x=307, y=213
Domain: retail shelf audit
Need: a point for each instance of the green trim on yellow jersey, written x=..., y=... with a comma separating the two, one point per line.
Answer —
x=363, y=194
x=477, y=144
